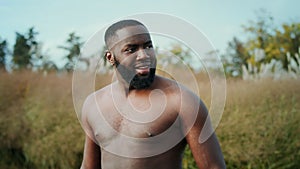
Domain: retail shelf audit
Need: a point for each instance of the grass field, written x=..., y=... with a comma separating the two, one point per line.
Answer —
x=39, y=128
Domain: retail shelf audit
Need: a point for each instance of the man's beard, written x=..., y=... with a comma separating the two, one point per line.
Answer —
x=135, y=80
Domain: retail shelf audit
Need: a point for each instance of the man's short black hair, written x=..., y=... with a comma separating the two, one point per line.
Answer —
x=111, y=31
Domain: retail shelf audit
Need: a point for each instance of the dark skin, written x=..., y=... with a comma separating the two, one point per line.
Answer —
x=119, y=110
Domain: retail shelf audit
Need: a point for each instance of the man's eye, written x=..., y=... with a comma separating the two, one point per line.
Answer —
x=149, y=46
x=130, y=50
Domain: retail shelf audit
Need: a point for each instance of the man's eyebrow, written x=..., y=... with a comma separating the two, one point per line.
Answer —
x=130, y=45
x=134, y=44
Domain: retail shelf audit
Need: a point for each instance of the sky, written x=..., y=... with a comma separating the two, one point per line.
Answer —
x=219, y=20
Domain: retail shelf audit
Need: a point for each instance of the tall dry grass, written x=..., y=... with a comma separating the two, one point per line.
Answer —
x=39, y=128
x=260, y=125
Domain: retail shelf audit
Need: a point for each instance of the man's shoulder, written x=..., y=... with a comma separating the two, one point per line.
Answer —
x=97, y=96
x=172, y=86
x=94, y=100
x=103, y=91
x=164, y=83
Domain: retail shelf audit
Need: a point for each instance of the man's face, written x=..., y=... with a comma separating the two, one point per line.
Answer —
x=134, y=56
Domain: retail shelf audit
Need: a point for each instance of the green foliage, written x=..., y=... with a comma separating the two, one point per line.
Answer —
x=3, y=52
x=238, y=53
x=177, y=54
x=265, y=43
x=288, y=40
x=188, y=161
x=21, y=55
x=73, y=50
x=24, y=49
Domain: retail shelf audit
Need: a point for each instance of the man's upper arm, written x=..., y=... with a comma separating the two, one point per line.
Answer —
x=91, y=155
x=92, y=151
x=194, y=114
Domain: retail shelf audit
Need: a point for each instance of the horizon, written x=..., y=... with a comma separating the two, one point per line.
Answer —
x=54, y=20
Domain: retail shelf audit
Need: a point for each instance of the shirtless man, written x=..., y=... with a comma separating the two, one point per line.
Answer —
x=142, y=120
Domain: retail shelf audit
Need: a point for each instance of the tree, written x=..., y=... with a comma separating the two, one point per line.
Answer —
x=73, y=50
x=3, y=53
x=288, y=41
x=24, y=49
x=42, y=61
x=238, y=54
x=177, y=54
x=261, y=33
x=49, y=66
x=265, y=44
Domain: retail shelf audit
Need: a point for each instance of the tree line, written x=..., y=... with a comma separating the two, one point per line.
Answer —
x=27, y=53
x=264, y=43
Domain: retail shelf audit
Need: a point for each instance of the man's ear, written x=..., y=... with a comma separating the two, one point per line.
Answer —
x=110, y=57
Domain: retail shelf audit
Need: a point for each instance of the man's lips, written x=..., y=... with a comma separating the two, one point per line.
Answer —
x=143, y=69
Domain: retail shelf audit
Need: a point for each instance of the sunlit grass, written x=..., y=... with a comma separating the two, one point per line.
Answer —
x=39, y=128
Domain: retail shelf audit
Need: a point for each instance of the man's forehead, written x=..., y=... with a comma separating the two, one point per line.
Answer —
x=130, y=33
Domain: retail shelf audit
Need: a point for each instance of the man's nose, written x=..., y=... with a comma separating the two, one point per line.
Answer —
x=142, y=54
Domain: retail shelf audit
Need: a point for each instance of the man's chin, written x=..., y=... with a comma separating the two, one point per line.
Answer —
x=142, y=81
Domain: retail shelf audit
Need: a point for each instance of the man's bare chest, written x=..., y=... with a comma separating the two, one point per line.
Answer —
x=117, y=122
